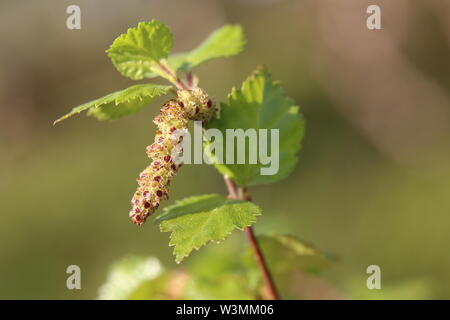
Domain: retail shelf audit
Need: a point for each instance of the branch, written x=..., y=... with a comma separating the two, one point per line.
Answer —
x=241, y=194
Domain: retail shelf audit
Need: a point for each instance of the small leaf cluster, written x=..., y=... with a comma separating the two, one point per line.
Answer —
x=143, y=53
x=228, y=274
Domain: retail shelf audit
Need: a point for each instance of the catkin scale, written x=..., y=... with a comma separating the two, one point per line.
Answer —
x=154, y=180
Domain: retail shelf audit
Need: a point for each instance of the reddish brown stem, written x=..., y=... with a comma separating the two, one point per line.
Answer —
x=242, y=194
x=267, y=277
x=180, y=85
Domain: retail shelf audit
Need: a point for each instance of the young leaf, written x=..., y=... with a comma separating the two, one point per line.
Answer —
x=224, y=42
x=261, y=103
x=120, y=103
x=140, y=50
x=195, y=221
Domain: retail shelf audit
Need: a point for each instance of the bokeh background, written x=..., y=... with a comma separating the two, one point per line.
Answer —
x=372, y=184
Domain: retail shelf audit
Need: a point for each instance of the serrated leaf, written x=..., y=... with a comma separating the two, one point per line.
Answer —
x=126, y=275
x=224, y=42
x=261, y=103
x=140, y=50
x=195, y=221
x=120, y=103
x=286, y=253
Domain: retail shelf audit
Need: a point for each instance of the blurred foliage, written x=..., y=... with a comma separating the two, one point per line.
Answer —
x=229, y=274
x=176, y=284
x=127, y=275
x=413, y=289
x=286, y=253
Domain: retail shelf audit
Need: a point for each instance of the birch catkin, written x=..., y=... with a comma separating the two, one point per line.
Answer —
x=155, y=180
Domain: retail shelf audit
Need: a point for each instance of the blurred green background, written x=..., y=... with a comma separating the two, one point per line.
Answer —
x=373, y=180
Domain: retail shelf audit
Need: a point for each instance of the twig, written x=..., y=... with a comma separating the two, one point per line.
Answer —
x=242, y=194
x=267, y=277
x=180, y=85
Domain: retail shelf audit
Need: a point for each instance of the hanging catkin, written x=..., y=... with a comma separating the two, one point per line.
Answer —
x=155, y=180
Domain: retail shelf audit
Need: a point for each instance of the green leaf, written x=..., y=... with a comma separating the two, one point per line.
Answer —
x=285, y=253
x=261, y=103
x=127, y=275
x=140, y=50
x=224, y=42
x=120, y=103
x=195, y=221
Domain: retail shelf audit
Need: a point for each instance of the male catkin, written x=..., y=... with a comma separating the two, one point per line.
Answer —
x=155, y=180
